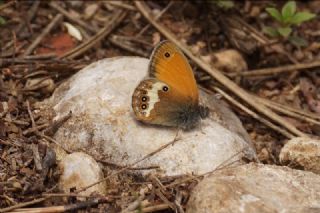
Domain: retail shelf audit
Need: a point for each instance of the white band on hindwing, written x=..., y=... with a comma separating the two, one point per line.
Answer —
x=153, y=97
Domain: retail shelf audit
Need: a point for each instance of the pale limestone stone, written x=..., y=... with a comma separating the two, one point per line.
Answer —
x=80, y=170
x=229, y=61
x=103, y=123
x=256, y=188
x=302, y=153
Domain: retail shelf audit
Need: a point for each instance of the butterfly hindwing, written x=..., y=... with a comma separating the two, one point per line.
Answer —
x=156, y=102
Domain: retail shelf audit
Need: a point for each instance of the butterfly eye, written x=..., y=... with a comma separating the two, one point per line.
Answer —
x=144, y=98
x=165, y=88
x=167, y=55
x=143, y=106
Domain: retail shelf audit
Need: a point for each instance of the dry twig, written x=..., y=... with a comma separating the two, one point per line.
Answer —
x=48, y=138
x=53, y=128
x=45, y=56
x=276, y=70
x=30, y=115
x=311, y=115
x=30, y=16
x=83, y=24
x=114, y=165
x=252, y=113
x=134, y=205
x=277, y=107
x=106, y=30
x=120, y=42
x=8, y=4
x=121, y=5
x=46, y=30
x=223, y=165
x=24, y=204
x=70, y=207
x=154, y=208
x=160, y=192
x=156, y=18
x=132, y=164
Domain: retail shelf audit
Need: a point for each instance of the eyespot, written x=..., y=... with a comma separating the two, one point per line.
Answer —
x=167, y=55
x=165, y=88
x=144, y=99
x=144, y=106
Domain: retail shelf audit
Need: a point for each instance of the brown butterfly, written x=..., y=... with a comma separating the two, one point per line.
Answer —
x=170, y=96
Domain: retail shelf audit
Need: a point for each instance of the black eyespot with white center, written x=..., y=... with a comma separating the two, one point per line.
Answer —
x=143, y=106
x=167, y=55
x=144, y=99
x=165, y=88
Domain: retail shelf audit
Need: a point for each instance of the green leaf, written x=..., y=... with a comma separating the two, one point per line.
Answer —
x=274, y=13
x=288, y=10
x=300, y=17
x=2, y=21
x=284, y=31
x=226, y=4
x=298, y=41
x=271, y=31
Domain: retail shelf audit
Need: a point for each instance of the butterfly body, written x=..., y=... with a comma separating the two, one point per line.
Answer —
x=169, y=97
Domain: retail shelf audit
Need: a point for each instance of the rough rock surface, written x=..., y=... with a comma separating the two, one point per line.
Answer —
x=103, y=123
x=255, y=188
x=302, y=153
x=229, y=61
x=80, y=170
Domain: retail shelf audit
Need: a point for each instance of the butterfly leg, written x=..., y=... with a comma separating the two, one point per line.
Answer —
x=177, y=137
x=201, y=129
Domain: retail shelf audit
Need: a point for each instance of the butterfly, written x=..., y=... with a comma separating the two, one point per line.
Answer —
x=169, y=96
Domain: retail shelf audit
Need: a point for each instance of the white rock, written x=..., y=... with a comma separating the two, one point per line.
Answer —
x=229, y=61
x=80, y=170
x=256, y=188
x=46, y=85
x=103, y=123
x=302, y=153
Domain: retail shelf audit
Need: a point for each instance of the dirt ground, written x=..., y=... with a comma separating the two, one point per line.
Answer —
x=43, y=43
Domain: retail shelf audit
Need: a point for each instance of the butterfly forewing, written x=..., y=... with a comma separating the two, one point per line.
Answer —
x=168, y=64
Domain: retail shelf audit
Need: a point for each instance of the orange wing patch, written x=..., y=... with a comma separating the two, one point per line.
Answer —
x=169, y=65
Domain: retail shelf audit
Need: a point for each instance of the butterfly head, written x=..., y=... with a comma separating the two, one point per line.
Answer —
x=203, y=111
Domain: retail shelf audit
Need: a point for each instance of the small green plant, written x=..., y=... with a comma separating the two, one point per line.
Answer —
x=2, y=21
x=224, y=4
x=287, y=18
